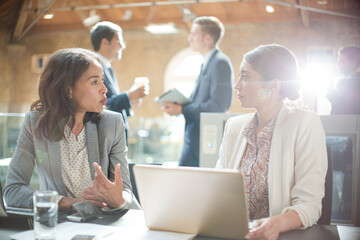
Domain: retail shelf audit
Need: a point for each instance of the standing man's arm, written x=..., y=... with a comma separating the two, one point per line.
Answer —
x=124, y=100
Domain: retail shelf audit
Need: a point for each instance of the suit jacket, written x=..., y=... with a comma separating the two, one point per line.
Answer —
x=105, y=144
x=116, y=101
x=213, y=93
x=297, y=161
x=345, y=99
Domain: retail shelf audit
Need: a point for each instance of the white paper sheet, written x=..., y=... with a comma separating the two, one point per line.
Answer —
x=67, y=230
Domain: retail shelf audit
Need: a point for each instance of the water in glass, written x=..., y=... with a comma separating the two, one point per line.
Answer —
x=45, y=215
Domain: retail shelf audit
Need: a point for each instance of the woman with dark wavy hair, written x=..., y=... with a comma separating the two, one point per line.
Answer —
x=77, y=147
x=280, y=150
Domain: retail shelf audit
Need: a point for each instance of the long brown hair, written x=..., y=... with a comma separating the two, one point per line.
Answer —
x=63, y=70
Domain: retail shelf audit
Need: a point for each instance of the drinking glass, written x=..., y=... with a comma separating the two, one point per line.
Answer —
x=45, y=214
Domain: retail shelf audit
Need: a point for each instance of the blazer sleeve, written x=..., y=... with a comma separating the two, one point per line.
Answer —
x=310, y=170
x=119, y=102
x=16, y=190
x=220, y=88
x=221, y=162
x=118, y=155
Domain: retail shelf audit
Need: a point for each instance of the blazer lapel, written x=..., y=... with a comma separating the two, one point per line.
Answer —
x=193, y=94
x=241, y=146
x=55, y=166
x=209, y=62
x=276, y=164
x=92, y=145
x=112, y=82
x=201, y=76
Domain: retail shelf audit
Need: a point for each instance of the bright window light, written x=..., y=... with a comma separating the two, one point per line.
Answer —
x=189, y=66
x=317, y=79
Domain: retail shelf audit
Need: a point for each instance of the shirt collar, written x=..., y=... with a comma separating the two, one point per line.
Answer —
x=207, y=57
x=104, y=61
x=249, y=131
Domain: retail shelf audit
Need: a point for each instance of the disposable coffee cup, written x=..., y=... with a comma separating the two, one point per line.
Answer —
x=142, y=81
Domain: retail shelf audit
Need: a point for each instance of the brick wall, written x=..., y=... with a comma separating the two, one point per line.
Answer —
x=148, y=55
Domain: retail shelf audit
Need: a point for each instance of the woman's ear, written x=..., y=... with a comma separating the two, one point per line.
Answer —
x=70, y=93
x=276, y=85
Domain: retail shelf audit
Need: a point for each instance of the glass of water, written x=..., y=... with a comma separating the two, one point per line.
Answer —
x=45, y=214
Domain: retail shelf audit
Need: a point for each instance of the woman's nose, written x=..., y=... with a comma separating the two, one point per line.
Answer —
x=104, y=89
x=237, y=85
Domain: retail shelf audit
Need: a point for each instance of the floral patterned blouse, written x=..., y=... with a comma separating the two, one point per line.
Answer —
x=254, y=165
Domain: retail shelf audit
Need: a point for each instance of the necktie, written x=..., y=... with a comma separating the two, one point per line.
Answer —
x=111, y=73
x=113, y=81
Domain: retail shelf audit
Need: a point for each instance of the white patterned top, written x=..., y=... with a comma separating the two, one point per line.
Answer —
x=254, y=165
x=75, y=169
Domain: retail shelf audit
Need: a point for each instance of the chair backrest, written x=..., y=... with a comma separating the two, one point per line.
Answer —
x=132, y=180
x=327, y=200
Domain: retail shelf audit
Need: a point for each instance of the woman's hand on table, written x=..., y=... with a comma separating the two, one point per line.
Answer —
x=67, y=202
x=271, y=227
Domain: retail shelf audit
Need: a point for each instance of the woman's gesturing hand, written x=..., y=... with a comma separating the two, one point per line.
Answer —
x=106, y=191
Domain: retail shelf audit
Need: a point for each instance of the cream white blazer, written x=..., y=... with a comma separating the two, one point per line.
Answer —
x=297, y=162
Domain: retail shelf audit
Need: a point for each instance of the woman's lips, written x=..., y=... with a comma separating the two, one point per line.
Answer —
x=103, y=102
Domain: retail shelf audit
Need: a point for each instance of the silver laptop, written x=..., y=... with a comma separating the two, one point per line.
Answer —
x=203, y=201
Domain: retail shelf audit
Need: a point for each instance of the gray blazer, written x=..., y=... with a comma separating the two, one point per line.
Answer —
x=105, y=143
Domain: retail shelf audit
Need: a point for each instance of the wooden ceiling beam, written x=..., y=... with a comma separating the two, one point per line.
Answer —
x=140, y=24
x=304, y=14
x=21, y=21
x=48, y=5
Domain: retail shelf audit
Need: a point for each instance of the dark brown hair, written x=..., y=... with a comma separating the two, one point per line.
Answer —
x=212, y=26
x=276, y=62
x=63, y=70
x=102, y=30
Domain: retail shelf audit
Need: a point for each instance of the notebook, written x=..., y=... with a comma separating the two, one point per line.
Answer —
x=202, y=201
x=173, y=96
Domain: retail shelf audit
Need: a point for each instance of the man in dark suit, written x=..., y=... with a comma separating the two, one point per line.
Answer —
x=213, y=91
x=108, y=43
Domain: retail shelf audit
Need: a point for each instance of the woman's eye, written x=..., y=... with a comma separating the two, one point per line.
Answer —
x=94, y=82
x=243, y=76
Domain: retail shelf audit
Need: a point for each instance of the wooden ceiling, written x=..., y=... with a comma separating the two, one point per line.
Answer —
x=26, y=16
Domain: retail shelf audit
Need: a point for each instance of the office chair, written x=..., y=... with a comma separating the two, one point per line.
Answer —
x=132, y=181
x=325, y=218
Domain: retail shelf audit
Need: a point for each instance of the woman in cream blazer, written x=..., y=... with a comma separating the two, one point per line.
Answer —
x=297, y=162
